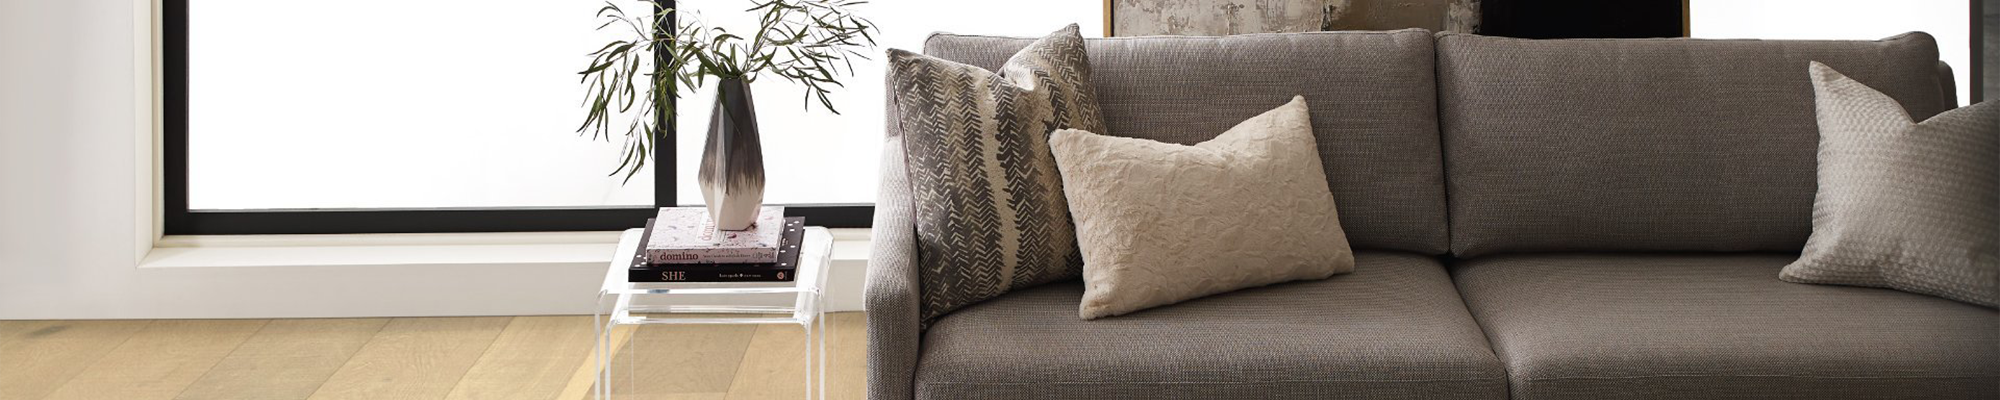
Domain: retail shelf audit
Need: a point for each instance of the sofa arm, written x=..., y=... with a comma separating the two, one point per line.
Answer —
x=1948, y=85
x=892, y=294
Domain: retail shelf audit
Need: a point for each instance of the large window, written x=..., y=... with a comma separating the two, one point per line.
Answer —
x=387, y=116
x=449, y=116
x=393, y=104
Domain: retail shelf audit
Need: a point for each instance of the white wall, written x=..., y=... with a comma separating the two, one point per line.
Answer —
x=67, y=142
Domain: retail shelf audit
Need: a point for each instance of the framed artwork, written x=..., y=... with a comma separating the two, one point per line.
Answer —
x=1230, y=17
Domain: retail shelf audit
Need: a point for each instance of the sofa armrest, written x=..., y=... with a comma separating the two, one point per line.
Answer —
x=892, y=292
x=1948, y=84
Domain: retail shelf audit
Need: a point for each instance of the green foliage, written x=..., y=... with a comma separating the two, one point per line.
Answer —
x=809, y=42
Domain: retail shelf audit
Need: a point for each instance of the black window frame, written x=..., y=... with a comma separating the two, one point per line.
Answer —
x=180, y=220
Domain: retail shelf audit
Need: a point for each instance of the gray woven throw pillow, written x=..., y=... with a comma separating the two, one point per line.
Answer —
x=1902, y=204
x=989, y=205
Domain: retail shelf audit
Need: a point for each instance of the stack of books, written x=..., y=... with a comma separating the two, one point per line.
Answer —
x=683, y=245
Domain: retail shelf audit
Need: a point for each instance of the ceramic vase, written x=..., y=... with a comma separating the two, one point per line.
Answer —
x=732, y=162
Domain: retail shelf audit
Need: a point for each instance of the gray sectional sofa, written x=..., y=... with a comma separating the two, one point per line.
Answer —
x=1532, y=219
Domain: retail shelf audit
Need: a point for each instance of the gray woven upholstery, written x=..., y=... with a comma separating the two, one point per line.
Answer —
x=1643, y=326
x=1627, y=145
x=1393, y=329
x=891, y=289
x=1948, y=85
x=1647, y=145
x=1373, y=99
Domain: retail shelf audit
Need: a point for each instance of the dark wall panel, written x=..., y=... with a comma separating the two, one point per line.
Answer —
x=1553, y=19
x=1986, y=76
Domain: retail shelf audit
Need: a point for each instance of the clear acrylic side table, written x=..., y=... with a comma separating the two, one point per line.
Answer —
x=799, y=302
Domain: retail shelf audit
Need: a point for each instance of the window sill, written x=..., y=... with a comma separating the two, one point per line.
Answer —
x=510, y=248
x=515, y=273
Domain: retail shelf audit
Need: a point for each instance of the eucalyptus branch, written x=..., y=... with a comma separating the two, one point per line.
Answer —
x=809, y=42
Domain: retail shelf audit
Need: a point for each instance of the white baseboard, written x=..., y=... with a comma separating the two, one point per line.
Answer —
x=335, y=276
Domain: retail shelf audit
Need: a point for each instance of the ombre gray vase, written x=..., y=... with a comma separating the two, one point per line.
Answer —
x=732, y=163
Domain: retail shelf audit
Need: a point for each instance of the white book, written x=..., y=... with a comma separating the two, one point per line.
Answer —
x=686, y=235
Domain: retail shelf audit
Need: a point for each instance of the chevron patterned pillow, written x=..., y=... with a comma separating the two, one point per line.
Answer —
x=1903, y=204
x=990, y=214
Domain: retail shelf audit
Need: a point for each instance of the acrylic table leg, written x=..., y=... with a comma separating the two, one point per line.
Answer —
x=823, y=334
x=603, y=332
x=597, y=376
x=807, y=326
x=632, y=361
x=604, y=355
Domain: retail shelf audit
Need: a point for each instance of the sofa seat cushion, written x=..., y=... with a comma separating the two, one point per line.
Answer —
x=1393, y=329
x=1720, y=327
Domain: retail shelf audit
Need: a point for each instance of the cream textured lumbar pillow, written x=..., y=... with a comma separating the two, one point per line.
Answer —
x=1160, y=223
x=1902, y=204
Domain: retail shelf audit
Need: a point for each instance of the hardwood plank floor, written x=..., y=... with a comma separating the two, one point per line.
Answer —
x=661, y=360
x=532, y=359
x=773, y=366
x=287, y=360
x=847, y=360
x=11, y=329
x=48, y=353
x=583, y=382
x=160, y=361
x=415, y=358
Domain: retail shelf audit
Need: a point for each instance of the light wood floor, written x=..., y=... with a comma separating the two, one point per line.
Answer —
x=543, y=357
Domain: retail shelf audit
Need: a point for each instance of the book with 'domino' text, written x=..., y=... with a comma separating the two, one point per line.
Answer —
x=784, y=270
x=686, y=235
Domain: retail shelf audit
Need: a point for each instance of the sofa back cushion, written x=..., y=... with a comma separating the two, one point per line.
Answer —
x=1647, y=144
x=1374, y=110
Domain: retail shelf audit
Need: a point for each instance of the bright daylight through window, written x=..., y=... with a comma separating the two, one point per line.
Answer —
x=394, y=104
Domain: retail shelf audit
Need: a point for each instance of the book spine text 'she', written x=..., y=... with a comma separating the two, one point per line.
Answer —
x=710, y=275
x=784, y=270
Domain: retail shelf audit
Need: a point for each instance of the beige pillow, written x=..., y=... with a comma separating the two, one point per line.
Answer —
x=1160, y=223
x=1913, y=206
